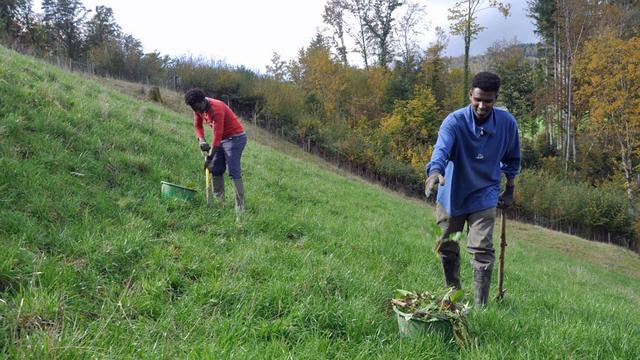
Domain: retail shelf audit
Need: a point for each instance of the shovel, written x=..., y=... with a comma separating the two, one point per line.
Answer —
x=207, y=177
x=503, y=245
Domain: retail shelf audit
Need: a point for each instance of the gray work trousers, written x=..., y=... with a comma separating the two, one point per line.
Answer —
x=479, y=237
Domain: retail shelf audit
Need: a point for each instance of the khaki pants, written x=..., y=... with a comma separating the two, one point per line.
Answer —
x=479, y=237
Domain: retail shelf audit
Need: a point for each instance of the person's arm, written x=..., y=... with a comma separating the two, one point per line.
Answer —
x=218, y=126
x=510, y=162
x=197, y=124
x=443, y=147
x=441, y=152
x=510, y=166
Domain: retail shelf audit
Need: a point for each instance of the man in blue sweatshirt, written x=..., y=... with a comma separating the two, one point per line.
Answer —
x=475, y=146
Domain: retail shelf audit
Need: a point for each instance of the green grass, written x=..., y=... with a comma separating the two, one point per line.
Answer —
x=99, y=266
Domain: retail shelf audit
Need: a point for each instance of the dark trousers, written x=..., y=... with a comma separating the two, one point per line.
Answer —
x=228, y=157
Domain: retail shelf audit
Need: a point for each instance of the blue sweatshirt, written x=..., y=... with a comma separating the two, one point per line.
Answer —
x=472, y=158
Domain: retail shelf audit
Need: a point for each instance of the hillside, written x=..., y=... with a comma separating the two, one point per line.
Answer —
x=479, y=63
x=96, y=265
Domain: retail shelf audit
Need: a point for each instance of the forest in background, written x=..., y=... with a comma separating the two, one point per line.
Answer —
x=575, y=94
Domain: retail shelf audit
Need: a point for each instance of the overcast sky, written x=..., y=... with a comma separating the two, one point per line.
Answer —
x=247, y=32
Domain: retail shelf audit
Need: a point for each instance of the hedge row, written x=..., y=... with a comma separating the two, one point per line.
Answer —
x=566, y=205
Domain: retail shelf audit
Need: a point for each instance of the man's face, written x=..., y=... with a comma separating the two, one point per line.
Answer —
x=482, y=102
x=201, y=106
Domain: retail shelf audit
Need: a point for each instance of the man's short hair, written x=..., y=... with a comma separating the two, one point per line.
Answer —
x=194, y=96
x=486, y=81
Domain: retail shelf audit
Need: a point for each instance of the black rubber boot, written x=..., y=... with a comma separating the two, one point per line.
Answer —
x=450, y=257
x=218, y=187
x=481, y=285
x=451, y=272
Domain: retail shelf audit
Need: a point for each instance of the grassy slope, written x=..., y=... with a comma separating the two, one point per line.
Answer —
x=99, y=266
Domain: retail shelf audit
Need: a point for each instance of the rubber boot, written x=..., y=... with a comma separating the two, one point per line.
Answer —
x=450, y=256
x=218, y=187
x=238, y=186
x=481, y=285
x=451, y=268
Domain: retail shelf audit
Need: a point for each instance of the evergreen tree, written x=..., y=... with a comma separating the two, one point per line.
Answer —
x=65, y=22
x=102, y=28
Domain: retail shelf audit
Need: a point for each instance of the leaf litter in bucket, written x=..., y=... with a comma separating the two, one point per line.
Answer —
x=436, y=306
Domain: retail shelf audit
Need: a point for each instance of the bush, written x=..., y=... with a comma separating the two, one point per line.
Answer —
x=558, y=202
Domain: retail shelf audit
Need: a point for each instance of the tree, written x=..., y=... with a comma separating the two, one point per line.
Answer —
x=359, y=10
x=517, y=82
x=408, y=30
x=103, y=42
x=64, y=20
x=607, y=72
x=379, y=23
x=133, y=53
x=543, y=14
x=465, y=23
x=434, y=69
x=7, y=15
x=334, y=16
x=410, y=130
x=574, y=22
x=18, y=21
x=21, y=24
x=278, y=67
x=102, y=28
x=622, y=17
x=564, y=25
x=32, y=32
x=152, y=67
x=323, y=76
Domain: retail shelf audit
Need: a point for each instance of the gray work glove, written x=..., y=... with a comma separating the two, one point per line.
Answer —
x=506, y=198
x=203, y=145
x=432, y=180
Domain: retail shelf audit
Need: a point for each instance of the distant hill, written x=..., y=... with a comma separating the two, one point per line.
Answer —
x=479, y=62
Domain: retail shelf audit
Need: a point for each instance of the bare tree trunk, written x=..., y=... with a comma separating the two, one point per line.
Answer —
x=557, y=87
x=467, y=45
x=567, y=113
x=626, y=153
x=547, y=98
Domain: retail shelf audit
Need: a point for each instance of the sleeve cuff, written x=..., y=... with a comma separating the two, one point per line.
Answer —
x=432, y=170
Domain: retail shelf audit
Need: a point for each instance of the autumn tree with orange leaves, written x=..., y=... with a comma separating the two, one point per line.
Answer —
x=607, y=74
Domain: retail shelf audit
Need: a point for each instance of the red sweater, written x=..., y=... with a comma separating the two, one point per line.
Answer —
x=221, y=119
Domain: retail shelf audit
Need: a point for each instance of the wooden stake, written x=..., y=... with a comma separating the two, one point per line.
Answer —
x=503, y=245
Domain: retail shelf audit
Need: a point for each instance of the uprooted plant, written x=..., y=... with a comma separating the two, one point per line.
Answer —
x=436, y=306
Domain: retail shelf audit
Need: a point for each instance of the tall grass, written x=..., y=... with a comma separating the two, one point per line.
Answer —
x=94, y=264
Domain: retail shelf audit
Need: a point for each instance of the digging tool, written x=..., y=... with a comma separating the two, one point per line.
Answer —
x=503, y=245
x=207, y=176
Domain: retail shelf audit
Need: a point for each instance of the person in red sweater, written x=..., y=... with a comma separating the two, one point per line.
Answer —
x=229, y=140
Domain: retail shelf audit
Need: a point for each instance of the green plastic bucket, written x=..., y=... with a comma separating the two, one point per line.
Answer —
x=411, y=327
x=173, y=191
